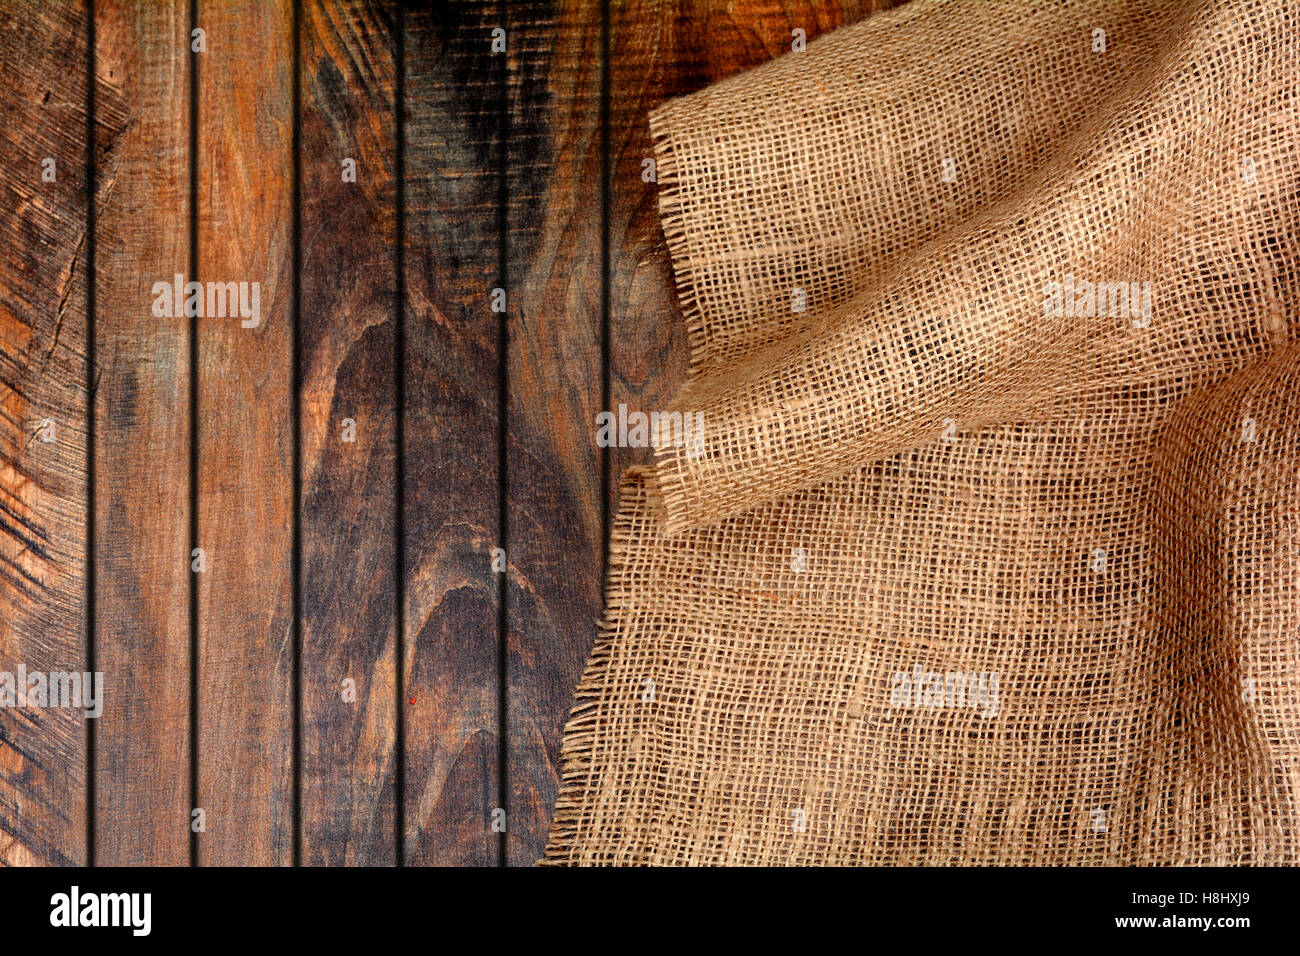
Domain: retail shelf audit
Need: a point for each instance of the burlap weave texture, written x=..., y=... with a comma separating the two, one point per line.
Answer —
x=969, y=565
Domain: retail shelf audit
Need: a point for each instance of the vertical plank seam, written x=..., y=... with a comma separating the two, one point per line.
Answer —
x=503, y=412
x=295, y=332
x=193, y=348
x=91, y=577
x=399, y=441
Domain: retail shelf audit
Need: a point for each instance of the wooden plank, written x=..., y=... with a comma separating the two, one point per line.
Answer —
x=453, y=95
x=245, y=433
x=142, y=440
x=555, y=469
x=349, y=482
x=43, y=58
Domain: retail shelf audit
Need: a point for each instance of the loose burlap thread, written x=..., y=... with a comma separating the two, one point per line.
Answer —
x=957, y=572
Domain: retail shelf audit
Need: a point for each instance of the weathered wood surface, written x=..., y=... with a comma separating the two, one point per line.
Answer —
x=142, y=741
x=523, y=169
x=555, y=494
x=245, y=435
x=348, y=403
x=42, y=384
x=452, y=194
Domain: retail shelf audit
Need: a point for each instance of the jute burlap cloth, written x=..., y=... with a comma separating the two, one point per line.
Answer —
x=968, y=566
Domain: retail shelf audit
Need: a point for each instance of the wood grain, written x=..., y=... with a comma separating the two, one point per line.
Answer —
x=245, y=432
x=453, y=92
x=43, y=59
x=555, y=493
x=348, y=487
x=142, y=440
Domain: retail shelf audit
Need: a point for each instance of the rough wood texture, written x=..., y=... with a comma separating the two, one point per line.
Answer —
x=452, y=97
x=245, y=436
x=42, y=377
x=142, y=440
x=348, y=487
x=555, y=495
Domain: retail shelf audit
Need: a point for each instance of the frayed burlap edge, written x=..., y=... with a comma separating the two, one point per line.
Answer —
x=636, y=493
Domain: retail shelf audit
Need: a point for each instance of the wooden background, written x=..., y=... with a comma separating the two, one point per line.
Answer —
x=326, y=560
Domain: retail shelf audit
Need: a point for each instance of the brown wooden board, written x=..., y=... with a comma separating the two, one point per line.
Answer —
x=452, y=187
x=245, y=433
x=142, y=440
x=348, y=404
x=555, y=497
x=43, y=57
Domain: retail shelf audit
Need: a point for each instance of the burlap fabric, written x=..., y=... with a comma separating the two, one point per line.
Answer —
x=968, y=566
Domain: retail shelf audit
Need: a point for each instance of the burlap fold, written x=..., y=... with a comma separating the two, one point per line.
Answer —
x=987, y=551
